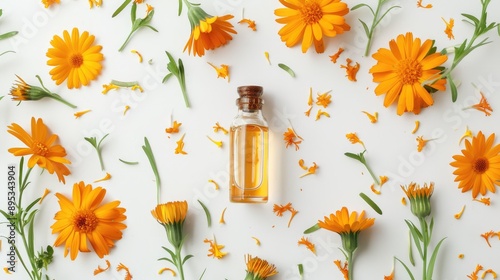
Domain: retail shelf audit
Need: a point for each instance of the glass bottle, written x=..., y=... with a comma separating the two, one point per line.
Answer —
x=249, y=149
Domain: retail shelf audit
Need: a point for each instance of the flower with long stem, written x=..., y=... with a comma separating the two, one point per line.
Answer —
x=421, y=236
x=75, y=58
x=481, y=27
x=138, y=23
x=47, y=155
x=86, y=219
x=177, y=70
x=22, y=91
x=377, y=18
x=171, y=216
x=348, y=226
x=258, y=269
x=207, y=32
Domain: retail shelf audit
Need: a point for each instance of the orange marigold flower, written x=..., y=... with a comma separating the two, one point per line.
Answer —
x=222, y=71
x=258, y=268
x=215, y=249
x=449, y=28
x=419, y=5
x=408, y=76
x=477, y=168
x=482, y=106
x=310, y=20
x=40, y=145
x=250, y=23
x=351, y=70
x=174, y=128
x=343, y=268
x=86, y=219
x=291, y=138
x=207, y=32
x=336, y=55
x=324, y=99
x=344, y=223
x=74, y=58
x=309, y=245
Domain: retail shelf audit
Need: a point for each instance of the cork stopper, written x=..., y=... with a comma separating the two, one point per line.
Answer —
x=250, y=98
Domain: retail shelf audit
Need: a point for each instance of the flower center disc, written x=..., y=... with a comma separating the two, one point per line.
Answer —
x=40, y=149
x=409, y=71
x=481, y=165
x=76, y=60
x=85, y=221
x=311, y=12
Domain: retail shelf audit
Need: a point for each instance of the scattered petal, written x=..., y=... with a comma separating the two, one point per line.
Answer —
x=257, y=241
x=215, y=249
x=474, y=276
x=174, y=128
x=6, y=270
x=417, y=125
x=301, y=164
x=222, y=71
x=138, y=54
x=180, y=146
x=222, y=220
x=218, y=128
x=336, y=55
x=126, y=109
x=421, y=143
x=251, y=23
x=291, y=138
x=460, y=256
x=324, y=99
x=105, y=178
x=81, y=113
x=294, y=212
x=310, y=170
x=493, y=273
x=459, y=214
x=309, y=245
x=108, y=87
x=215, y=184
x=484, y=200
x=419, y=5
x=167, y=269
x=354, y=139
x=467, y=134
x=403, y=201
x=449, y=28
x=351, y=70
x=218, y=143
x=100, y=270
x=482, y=106
x=45, y=193
x=120, y=267
x=322, y=113
x=343, y=268
x=373, y=118
x=487, y=236
x=266, y=54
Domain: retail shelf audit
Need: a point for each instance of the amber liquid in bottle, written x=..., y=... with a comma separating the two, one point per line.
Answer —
x=249, y=163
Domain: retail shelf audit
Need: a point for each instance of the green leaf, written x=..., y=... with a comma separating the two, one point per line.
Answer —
x=129, y=162
x=167, y=77
x=365, y=27
x=133, y=13
x=149, y=153
x=410, y=250
x=383, y=15
x=287, y=69
x=371, y=203
x=203, y=273
x=172, y=254
x=354, y=156
x=472, y=18
x=180, y=8
x=167, y=259
x=312, y=229
x=498, y=29
x=8, y=35
x=301, y=270
x=120, y=9
x=417, y=237
x=362, y=5
x=432, y=261
x=186, y=258
x=207, y=213
x=454, y=92
x=406, y=268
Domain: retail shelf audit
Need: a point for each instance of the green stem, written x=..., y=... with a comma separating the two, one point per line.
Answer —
x=100, y=159
x=350, y=264
x=425, y=241
x=60, y=99
x=178, y=261
x=372, y=28
x=374, y=177
x=126, y=41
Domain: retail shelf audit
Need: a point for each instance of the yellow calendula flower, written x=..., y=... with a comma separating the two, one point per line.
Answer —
x=172, y=215
x=22, y=91
x=258, y=269
x=75, y=58
x=207, y=32
x=477, y=168
x=41, y=147
x=408, y=72
x=309, y=20
x=86, y=219
x=420, y=198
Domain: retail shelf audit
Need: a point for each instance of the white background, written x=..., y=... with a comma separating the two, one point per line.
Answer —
x=338, y=182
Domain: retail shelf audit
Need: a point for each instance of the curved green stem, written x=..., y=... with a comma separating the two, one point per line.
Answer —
x=372, y=28
x=374, y=177
x=425, y=241
x=126, y=41
x=178, y=261
x=62, y=100
x=350, y=264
